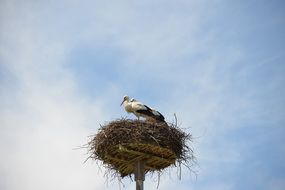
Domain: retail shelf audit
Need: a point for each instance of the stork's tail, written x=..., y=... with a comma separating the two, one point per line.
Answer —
x=157, y=116
x=152, y=114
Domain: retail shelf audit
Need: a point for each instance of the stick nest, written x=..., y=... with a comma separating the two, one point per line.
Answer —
x=120, y=143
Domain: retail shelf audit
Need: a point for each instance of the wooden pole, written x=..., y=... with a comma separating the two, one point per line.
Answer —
x=139, y=174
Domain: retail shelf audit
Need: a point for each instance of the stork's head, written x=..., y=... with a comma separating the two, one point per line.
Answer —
x=126, y=98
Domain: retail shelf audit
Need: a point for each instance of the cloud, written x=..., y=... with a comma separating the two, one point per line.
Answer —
x=65, y=65
x=43, y=115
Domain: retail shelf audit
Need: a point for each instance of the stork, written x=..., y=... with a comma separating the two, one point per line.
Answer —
x=141, y=110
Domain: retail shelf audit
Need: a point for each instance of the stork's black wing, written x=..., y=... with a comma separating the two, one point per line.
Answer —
x=150, y=112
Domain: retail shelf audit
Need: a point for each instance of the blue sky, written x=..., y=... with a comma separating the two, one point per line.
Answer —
x=219, y=65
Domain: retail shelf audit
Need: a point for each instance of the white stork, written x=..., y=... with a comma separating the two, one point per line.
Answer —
x=141, y=110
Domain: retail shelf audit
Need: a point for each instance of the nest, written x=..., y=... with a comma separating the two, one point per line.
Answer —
x=121, y=143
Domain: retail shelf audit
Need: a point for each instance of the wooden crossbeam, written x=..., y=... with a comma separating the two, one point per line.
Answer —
x=146, y=155
x=125, y=157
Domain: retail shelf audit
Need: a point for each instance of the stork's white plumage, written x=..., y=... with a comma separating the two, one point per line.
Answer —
x=141, y=110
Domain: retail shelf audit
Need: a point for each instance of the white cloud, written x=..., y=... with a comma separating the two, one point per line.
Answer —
x=43, y=115
x=40, y=127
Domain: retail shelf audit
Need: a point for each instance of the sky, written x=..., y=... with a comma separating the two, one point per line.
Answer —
x=66, y=65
